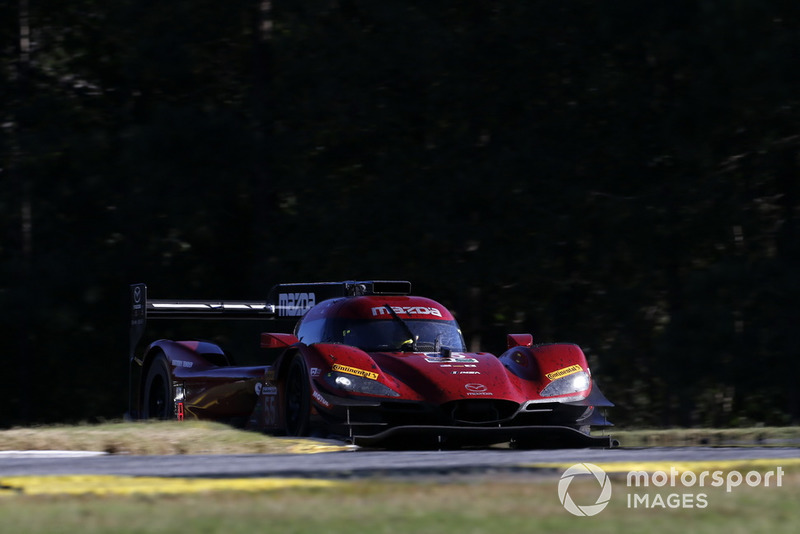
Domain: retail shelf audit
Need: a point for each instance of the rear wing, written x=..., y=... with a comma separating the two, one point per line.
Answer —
x=143, y=309
x=284, y=301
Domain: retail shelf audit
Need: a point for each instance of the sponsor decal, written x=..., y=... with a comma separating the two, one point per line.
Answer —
x=268, y=396
x=182, y=363
x=452, y=359
x=263, y=389
x=295, y=304
x=315, y=371
x=465, y=372
x=477, y=389
x=320, y=399
x=355, y=371
x=564, y=372
x=270, y=409
x=407, y=310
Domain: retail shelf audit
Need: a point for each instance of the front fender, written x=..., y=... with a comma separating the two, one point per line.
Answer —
x=543, y=365
x=558, y=359
x=343, y=358
x=337, y=358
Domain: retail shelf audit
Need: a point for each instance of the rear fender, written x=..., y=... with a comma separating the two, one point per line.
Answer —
x=186, y=355
x=181, y=355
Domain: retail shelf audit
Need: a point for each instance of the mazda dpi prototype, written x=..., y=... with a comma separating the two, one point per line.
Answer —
x=368, y=363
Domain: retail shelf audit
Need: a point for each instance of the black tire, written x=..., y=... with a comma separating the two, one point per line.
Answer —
x=297, y=398
x=158, y=397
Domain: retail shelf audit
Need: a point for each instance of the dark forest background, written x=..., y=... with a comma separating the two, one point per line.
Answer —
x=624, y=175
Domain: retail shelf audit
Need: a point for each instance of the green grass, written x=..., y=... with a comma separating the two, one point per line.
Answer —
x=686, y=437
x=165, y=437
x=520, y=504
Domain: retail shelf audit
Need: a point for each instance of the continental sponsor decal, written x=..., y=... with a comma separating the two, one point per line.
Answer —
x=564, y=372
x=355, y=371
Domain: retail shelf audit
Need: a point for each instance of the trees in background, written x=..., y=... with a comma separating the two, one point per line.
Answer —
x=623, y=177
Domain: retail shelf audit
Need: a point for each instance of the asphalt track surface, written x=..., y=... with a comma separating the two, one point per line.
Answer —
x=366, y=463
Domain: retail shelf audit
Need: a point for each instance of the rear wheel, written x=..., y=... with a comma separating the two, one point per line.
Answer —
x=158, y=396
x=297, y=398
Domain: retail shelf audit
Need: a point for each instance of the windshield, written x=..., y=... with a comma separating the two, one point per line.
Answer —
x=385, y=335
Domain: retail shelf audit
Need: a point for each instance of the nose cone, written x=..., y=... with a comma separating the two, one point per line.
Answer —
x=441, y=379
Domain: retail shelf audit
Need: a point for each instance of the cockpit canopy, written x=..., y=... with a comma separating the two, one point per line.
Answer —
x=375, y=324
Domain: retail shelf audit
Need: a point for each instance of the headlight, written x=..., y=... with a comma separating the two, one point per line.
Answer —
x=574, y=383
x=358, y=384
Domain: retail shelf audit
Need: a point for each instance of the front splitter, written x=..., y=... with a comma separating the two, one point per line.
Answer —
x=527, y=437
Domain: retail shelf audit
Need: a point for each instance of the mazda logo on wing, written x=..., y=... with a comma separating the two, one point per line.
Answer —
x=475, y=388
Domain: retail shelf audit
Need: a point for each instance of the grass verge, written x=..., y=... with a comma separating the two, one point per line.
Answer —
x=724, y=437
x=160, y=437
x=505, y=504
x=202, y=437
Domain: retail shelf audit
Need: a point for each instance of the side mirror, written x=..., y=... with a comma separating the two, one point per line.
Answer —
x=277, y=341
x=519, y=340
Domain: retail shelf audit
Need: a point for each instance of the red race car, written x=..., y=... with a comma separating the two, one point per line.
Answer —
x=368, y=363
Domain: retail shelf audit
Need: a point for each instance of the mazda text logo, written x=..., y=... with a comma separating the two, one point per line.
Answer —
x=475, y=388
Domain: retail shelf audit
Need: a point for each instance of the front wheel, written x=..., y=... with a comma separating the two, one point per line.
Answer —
x=297, y=398
x=158, y=395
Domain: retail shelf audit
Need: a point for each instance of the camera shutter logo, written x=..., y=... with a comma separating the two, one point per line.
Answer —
x=602, y=499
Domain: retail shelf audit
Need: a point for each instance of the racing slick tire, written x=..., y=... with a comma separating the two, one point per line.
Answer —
x=297, y=398
x=158, y=394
